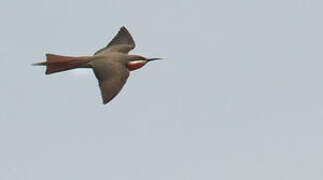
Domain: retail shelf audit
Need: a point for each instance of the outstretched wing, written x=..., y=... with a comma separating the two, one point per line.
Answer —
x=111, y=77
x=122, y=42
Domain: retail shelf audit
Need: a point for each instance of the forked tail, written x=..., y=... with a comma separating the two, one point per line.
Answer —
x=57, y=63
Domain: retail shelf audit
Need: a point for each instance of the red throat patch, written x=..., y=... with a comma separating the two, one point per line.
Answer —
x=133, y=65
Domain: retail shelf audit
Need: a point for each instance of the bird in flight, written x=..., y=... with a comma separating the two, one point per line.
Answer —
x=111, y=64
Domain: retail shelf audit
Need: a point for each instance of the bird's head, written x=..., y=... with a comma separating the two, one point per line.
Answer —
x=136, y=61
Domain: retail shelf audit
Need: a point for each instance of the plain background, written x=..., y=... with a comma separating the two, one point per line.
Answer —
x=238, y=96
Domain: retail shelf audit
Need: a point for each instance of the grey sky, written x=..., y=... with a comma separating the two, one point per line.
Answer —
x=239, y=95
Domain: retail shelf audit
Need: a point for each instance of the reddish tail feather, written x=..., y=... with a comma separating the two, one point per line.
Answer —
x=58, y=63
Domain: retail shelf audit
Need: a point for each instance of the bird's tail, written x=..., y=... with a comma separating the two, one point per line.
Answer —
x=57, y=63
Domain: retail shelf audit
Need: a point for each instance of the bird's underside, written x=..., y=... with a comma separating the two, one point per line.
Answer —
x=108, y=64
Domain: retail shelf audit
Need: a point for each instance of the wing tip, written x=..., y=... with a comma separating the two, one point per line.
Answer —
x=124, y=29
x=104, y=102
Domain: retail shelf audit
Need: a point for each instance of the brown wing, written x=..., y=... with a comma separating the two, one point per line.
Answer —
x=122, y=42
x=111, y=76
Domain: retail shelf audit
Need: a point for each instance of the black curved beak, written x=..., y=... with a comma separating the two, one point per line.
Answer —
x=152, y=59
